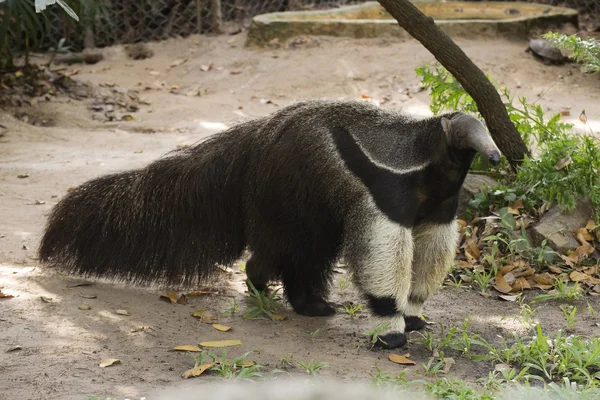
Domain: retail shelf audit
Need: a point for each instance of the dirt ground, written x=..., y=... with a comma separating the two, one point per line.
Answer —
x=60, y=345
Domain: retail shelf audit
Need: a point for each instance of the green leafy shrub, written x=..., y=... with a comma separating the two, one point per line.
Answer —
x=564, y=166
x=583, y=51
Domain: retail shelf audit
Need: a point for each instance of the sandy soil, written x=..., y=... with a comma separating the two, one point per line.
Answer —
x=61, y=345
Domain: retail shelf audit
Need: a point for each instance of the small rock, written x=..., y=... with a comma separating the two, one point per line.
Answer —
x=558, y=226
x=473, y=184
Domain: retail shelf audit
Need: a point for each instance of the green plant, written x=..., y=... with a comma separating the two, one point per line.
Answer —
x=569, y=313
x=233, y=307
x=374, y=333
x=585, y=51
x=286, y=360
x=345, y=283
x=315, y=333
x=262, y=303
x=381, y=379
x=351, y=309
x=482, y=279
x=562, y=291
x=434, y=365
x=312, y=367
x=238, y=368
x=455, y=389
x=564, y=166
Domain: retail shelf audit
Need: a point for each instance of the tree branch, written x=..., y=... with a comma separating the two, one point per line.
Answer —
x=488, y=101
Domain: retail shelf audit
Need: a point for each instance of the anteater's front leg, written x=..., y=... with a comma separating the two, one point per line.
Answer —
x=434, y=251
x=380, y=252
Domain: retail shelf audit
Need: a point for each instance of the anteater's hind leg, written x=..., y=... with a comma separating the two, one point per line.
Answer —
x=261, y=269
x=306, y=278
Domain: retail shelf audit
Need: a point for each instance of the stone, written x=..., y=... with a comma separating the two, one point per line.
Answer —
x=472, y=185
x=557, y=226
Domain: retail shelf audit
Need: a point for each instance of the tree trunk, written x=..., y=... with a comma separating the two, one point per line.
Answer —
x=215, y=16
x=474, y=81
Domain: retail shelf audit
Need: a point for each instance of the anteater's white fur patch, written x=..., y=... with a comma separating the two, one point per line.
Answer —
x=434, y=250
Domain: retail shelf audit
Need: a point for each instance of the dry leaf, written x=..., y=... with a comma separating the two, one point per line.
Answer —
x=278, y=317
x=365, y=96
x=182, y=299
x=506, y=269
x=88, y=296
x=563, y=163
x=556, y=270
x=204, y=314
x=14, y=348
x=583, y=117
x=403, y=360
x=462, y=223
x=448, y=363
x=109, y=362
x=221, y=343
x=544, y=279
x=521, y=284
x=187, y=348
x=473, y=249
x=518, y=204
x=177, y=63
x=584, y=233
x=206, y=68
x=513, y=211
x=577, y=276
x=222, y=328
x=501, y=284
x=170, y=296
x=46, y=299
x=508, y=298
x=199, y=370
x=127, y=117
x=85, y=307
x=590, y=226
x=80, y=284
x=122, y=312
x=5, y=296
x=502, y=367
x=543, y=287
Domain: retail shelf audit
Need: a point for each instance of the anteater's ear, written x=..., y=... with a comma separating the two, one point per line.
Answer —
x=446, y=125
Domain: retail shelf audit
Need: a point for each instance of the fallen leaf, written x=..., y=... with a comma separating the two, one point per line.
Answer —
x=365, y=96
x=473, y=249
x=583, y=117
x=581, y=253
x=170, y=296
x=278, y=317
x=5, y=296
x=122, y=312
x=543, y=287
x=544, y=279
x=178, y=62
x=154, y=73
x=206, y=67
x=398, y=359
x=46, y=299
x=501, y=284
x=204, y=314
x=182, y=299
x=563, y=163
x=85, y=307
x=507, y=268
x=584, y=233
x=591, y=225
x=23, y=176
x=556, y=270
x=88, y=296
x=508, y=298
x=521, y=284
x=518, y=204
x=14, y=348
x=513, y=211
x=462, y=223
x=187, y=348
x=565, y=113
x=221, y=343
x=108, y=362
x=577, y=276
x=448, y=363
x=222, y=328
x=80, y=284
x=127, y=117
x=197, y=371
x=236, y=72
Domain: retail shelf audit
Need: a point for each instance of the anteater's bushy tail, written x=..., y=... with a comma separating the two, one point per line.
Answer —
x=170, y=222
